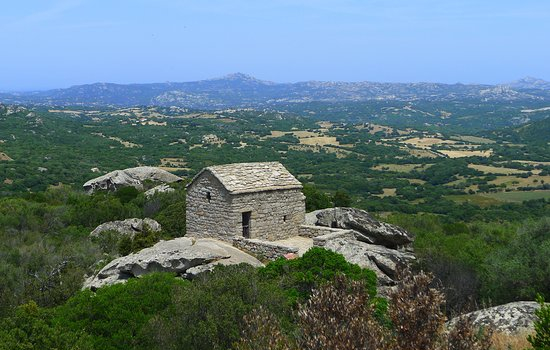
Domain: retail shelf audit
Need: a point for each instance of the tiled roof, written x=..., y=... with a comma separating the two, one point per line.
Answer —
x=253, y=177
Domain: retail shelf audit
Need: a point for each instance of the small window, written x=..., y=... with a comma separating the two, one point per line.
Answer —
x=208, y=196
x=284, y=218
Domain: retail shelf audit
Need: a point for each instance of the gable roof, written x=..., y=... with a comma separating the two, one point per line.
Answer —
x=252, y=177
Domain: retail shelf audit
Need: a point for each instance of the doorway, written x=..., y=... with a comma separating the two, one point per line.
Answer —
x=246, y=224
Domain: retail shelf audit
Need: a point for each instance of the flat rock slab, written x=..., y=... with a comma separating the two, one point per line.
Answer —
x=511, y=318
x=184, y=256
x=301, y=243
x=129, y=177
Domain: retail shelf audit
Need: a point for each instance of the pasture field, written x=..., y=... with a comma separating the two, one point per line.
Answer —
x=518, y=196
x=488, y=169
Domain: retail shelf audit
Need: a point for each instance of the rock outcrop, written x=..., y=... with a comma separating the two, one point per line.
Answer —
x=184, y=256
x=158, y=189
x=364, y=241
x=511, y=318
x=129, y=177
x=127, y=227
x=367, y=228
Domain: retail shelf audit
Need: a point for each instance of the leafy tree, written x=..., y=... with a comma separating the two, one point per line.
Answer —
x=315, y=199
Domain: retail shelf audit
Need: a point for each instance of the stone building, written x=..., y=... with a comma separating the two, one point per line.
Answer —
x=250, y=200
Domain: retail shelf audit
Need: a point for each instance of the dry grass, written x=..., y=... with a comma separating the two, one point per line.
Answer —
x=420, y=153
x=401, y=168
x=5, y=157
x=388, y=192
x=513, y=182
x=487, y=169
x=320, y=140
x=503, y=341
x=427, y=142
x=466, y=153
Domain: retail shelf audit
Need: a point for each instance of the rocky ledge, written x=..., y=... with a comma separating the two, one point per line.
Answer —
x=363, y=240
x=184, y=256
x=365, y=227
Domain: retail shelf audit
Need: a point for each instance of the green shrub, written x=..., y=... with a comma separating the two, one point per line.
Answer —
x=208, y=313
x=298, y=277
x=114, y=315
x=541, y=339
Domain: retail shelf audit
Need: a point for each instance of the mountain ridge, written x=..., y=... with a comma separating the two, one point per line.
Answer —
x=242, y=90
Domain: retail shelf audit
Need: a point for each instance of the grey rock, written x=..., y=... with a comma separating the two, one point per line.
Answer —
x=511, y=318
x=126, y=227
x=158, y=189
x=367, y=229
x=383, y=261
x=184, y=256
x=129, y=177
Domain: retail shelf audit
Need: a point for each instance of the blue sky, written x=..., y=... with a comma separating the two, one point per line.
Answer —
x=59, y=43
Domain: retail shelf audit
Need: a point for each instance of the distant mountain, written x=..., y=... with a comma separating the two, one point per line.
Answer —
x=530, y=83
x=241, y=90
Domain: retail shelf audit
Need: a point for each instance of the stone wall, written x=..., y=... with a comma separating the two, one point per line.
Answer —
x=276, y=214
x=261, y=248
x=208, y=209
x=213, y=212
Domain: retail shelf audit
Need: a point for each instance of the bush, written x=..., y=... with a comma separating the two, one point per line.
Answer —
x=113, y=316
x=207, y=314
x=541, y=339
x=298, y=277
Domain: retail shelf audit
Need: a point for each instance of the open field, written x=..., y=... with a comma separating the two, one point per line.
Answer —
x=513, y=182
x=401, y=168
x=466, y=153
x=427, y=142
x=476, y=199
x=473, y=139
x=518, y=196
x=487, y=169
x=388, y=192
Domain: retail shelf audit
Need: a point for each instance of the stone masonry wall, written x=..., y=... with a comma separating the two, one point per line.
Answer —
x=204, y=217
x=276, y=214
x=266, y=249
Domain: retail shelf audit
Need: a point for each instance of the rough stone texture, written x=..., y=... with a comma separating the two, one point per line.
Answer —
x=383, y=261
x=511, y=318
x=366, y=227
x=266, y=249
x=126, y=227
x=215, y=211
x=129, y=177
x=184, y=256
x=158, y=189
